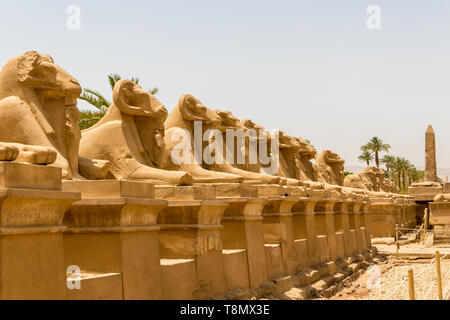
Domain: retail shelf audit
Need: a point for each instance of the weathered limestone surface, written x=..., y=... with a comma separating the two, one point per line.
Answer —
x=38, y=107
x=242, y=229
x=191, y=229
x=430, y=156
x=431, y=185
x=213, y=238
x=120, y=218
x=144, y=227
x=440, y=214
x=425, y=192
x=31, y=232
x=131, y=137
x=388, y=208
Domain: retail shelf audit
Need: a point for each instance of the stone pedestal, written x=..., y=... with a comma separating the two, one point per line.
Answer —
x=113, y=230
x=349, y=239
x=425, y=191
x=325, y=212
x=365, y=212
x=446, y=188
x=360, y=235
x=299, y=221
x=32, y=207
x=440, y=218
x=383, y=217
x=278, y=228
x=339, y=228
x=191, y=229
x=242, y=229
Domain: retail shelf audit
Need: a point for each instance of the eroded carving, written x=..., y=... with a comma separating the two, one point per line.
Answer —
x=38, y=112
x=131, y=137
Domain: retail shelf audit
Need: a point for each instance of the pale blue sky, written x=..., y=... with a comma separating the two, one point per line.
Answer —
x=309, y=68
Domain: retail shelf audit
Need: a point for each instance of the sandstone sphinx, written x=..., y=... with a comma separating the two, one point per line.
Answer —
x=229, y=121
x=306, y=153
x=295, y=162
x=372, y=180
x=445, y=197
x=131, y=137
x=288, y=176
x=295, y=154
x=26, y=153
x=38, y=114
x=330, y=168
x=330, y=171
x=289, y=159
x=179, y=128
x=261, y=134
x=377, y=178
x=251, y=172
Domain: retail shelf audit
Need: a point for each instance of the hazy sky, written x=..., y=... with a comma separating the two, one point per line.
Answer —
x=310, y=68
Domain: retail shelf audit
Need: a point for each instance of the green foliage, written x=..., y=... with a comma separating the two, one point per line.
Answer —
x=376, y=145
x=89, y=118
x=402, y=171
x=399, y=169
x=366, y=157
x=95, y=98
x=347, y=173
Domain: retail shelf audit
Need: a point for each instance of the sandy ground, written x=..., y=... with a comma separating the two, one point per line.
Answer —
x=393, y=271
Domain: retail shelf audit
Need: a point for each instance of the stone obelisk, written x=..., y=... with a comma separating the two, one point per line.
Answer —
x=430, y=156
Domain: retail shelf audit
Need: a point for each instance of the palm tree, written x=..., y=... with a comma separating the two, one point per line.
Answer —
x=401, y=165
x=416, y=175
x=100, y=102
x=376, y=146
x=366, y=156
x=420, y=176
x=388, y=161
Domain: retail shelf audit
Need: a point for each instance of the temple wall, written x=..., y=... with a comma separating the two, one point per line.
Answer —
x=133, y=240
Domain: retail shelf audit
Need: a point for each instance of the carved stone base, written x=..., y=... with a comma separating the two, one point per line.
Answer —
x=31, y=240
x=116, y=234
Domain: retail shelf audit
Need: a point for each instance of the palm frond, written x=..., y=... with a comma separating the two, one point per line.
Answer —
x=154, y=91
x=112, y=79
x=95, y=98
x=88, y=118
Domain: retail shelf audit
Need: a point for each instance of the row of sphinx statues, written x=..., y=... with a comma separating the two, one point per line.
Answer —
x=134, y=140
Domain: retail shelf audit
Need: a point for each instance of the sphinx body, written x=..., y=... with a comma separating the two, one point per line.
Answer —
x=294, y=158
x=330, y=168
x=445, y=197
x=179, y=128
x=306, y=153
x=251, y=172
x=38, y=113
x=131, y=137
x=295, y=155
x=295, y=162
x=260, y=134
x=372, y=180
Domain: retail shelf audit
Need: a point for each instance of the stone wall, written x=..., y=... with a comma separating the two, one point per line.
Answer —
x=111, y=205
x=134, y=240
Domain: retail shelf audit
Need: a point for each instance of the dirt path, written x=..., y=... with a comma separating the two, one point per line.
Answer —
x=391, y=273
